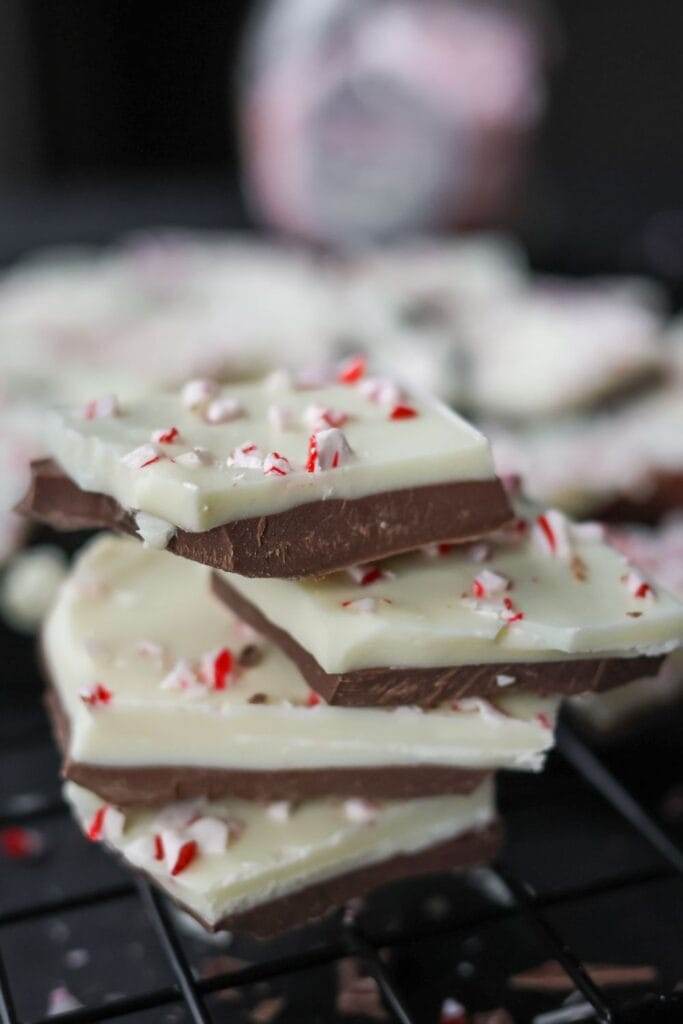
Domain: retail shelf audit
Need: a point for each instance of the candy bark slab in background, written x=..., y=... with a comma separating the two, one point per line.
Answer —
x=275, y=479
x=549, y=609
x=159, y=693
x=264, y=868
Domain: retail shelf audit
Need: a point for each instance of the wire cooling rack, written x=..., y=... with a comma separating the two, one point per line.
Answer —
x=415, y=959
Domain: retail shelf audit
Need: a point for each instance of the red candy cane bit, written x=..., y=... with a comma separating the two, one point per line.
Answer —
x=313, y=699
x=312, y=460
x=167, y=436
x=643, y=590
x=96, y=696
x=402, y=412
x=548, y=532
x=96, y=826
x=276, y=464
x=158, y=847
x=186, y=855
x=511, y=613
x=544, y=720
x=222, y=667
x=352, y=370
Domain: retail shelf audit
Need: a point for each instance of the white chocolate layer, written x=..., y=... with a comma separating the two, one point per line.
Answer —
x=435, y=446
x=422, y=613
x=128, y=615
x=272, y=857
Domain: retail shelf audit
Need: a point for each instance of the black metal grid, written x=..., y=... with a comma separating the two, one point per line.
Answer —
x=347, y=938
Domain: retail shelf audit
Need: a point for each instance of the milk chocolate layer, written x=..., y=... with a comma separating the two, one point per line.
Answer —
x=151, y=786
x=309, y=540
x=306, y=905
x=429, y=687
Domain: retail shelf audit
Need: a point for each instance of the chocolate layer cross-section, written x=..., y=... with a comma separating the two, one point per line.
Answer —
x=158, y=693
x=266, y=868
x=273, y=479
x=548, y=607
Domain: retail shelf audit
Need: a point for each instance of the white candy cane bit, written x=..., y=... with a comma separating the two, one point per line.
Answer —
x=179, y=815
x=247, y=456
x=360, y=811
x=142, y=852
x=489, y=584
x=328, y=449
x=551, y=534
x=197, y=393
x=145, y=455
x=479, y=706
x=114, y=824
x=381, y=390
x=223, y=410
x=363, y=605
x=278, y=380
x=182, y=677
x=638, y=586
x=590, y=531
x=195, y=458
x=279, y=811
x=276, y=464
x=280, y=417
x=211, y=834
x=319, y=417
x=101, y=408
x=479, y=552
x=503, y=680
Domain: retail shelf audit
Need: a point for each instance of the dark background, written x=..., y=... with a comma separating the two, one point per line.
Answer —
x=116, y=114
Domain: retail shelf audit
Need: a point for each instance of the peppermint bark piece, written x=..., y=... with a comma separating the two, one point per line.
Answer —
x=239, y=865
x=548, y=607
x=158, y=692
x=273, y=479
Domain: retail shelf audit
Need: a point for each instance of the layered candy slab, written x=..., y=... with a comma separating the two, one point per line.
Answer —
x=273, y=479
x=159, y=692
x=266, y=868
x=547, y=607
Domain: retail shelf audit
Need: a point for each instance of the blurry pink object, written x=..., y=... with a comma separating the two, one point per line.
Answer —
x=363, y=121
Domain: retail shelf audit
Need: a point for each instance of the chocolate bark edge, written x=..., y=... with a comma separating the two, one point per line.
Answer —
x=429, y=687
x=151, y=786
x=309, y=540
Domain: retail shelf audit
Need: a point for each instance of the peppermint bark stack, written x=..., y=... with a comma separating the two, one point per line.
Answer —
x=265, y=743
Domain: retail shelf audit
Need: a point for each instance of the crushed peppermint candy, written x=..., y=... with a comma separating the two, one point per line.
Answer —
x=437, y=550
x=275, y=464
x=95, y=696
x=168, y=435
x=223, y=410
x=318, y=417
x=327, y=449
x=367, y=574
x=247, y=456
x=403, y=412
x=211, y=834
x=217, y=668
x=638, y=586
x=364, y=605
x=361, y=811
x=179, y=852
x=101, y=408
x=488, y=711
x=352, y=370
x=511, y=613
x=503, y=680
x=195, y=458
x=197, y=393
x=106, y=823
x=313, y=699
x=382, y=391
x=140, y=458
x=479, y=552
x=184, y=677
x=489, y=584
x=452, y=1012
x=279, y=811
x=551, y=533
x=280, y=417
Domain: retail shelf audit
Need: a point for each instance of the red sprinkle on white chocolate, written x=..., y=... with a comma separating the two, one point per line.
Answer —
x=452, y=1012
x=367, y=574
x=403, y=412
x=101, y=408
x=223, y=410
x=382, y=391
x=169, y=435
x=360, y=811
x=279, y=811
x=327, y=449
x=638, y=586
x=96, y=696
x=318, y=417
x=552, y=535
x=276, y=464
x=280, y=417
x=106, y=823
x=145, y=455
x=489, y=584
x=197, y=393
x=246, y=456
x=352, y=370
